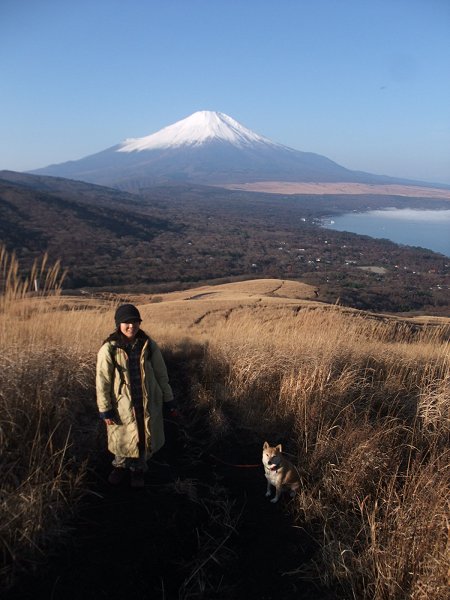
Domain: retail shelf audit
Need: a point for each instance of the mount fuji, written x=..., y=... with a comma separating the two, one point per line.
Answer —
x=205, y=148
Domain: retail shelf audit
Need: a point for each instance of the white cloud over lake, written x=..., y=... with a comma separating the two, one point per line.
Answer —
x=410, y=214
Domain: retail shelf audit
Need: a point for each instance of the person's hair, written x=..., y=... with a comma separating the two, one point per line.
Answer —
x=118, y=337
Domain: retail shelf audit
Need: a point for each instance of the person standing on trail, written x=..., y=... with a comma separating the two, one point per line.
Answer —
x=132, y=386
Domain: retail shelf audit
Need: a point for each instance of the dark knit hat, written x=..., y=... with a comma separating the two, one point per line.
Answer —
x=126, y=313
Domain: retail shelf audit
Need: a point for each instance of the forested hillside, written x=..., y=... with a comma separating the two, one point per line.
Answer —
x=171, y=236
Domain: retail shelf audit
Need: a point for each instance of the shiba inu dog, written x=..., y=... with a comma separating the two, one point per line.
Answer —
x=279, y=472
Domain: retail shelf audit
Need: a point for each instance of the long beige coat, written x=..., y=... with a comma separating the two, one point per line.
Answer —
x=114, y=392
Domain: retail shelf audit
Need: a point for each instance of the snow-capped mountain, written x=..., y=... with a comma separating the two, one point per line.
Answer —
x=205, y=148
x=200, y=128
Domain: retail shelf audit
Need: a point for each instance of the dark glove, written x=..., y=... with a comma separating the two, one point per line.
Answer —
x=108, y=414
x=171, y=409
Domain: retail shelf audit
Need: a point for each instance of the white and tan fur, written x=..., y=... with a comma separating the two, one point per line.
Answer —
x=279, y=472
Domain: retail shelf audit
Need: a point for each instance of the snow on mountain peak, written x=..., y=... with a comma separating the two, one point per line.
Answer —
x=200, y=127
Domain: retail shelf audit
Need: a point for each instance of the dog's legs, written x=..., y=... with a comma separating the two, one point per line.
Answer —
x=277, y=495
x=294, y=490
x=268, y=492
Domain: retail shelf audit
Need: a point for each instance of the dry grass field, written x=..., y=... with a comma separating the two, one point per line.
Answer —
x=361, y=401
x=289, y=187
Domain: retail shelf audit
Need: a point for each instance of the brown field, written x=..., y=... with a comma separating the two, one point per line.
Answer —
x=290, y=187
x=361, y=400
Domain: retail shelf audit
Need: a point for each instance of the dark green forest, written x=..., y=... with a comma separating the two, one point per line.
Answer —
x=171, y=237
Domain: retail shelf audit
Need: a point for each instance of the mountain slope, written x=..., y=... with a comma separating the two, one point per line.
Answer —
x=207, y=148
x=99, y=234
x=173, y=236
x=201, y=127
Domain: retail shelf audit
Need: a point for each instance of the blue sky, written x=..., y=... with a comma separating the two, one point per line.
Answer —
x=363, y=82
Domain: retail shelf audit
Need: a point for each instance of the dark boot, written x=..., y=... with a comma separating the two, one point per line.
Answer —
x=116, y=476
x=137, y=479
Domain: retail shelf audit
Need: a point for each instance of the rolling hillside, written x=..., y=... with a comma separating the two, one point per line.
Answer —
x=167, y=237
x=358, y=400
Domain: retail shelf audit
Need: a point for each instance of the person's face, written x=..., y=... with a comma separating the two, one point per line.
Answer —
x=130, y=329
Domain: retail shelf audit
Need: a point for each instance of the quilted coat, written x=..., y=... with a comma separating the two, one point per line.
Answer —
x=114, y=396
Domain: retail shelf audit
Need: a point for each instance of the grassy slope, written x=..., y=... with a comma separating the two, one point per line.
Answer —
x=360, y=400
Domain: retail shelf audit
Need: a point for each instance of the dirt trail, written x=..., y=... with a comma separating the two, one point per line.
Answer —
x=200, y=529
x=165, y=542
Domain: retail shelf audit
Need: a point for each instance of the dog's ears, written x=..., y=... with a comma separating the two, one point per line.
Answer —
x=279, y=448
x=266, y=445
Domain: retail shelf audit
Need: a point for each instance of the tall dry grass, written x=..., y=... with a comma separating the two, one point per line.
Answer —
x=43, y=280
x=365, y=406
x=362, y=402
x=46, y=389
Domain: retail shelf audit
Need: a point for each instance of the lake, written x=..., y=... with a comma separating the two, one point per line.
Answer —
x=426, y=228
